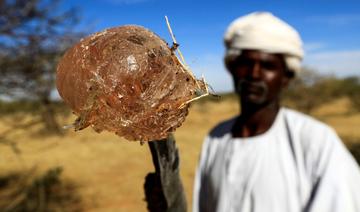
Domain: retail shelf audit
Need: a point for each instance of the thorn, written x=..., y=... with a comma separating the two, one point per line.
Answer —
x=69, y=126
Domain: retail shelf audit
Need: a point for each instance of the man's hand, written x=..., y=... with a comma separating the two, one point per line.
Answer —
x=163, y=189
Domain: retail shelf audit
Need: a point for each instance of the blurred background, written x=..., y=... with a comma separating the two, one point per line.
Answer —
x=46, y=168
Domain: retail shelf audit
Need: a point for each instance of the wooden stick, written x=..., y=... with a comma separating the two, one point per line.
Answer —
x=182, y=61
x=163, y=188
x=174, y=40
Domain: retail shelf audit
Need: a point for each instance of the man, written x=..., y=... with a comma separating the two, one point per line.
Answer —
x=271, y=158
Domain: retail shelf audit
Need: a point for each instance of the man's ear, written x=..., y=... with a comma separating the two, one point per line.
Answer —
x=288, y=76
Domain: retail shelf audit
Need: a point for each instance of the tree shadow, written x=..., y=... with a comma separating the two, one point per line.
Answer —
x=21, y=191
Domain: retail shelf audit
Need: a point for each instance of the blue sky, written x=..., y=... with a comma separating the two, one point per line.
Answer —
x=330, y=29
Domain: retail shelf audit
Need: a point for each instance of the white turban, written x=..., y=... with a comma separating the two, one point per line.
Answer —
x=265, y=32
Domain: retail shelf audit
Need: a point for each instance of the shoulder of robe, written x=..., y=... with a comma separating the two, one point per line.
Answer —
x=311, y=132
x=315, y=136
x=221, y=129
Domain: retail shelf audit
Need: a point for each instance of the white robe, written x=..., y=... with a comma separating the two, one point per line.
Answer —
x=299, y=164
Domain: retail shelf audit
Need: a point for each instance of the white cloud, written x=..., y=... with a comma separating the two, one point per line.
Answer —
x=338, y=63
x=120, y=2
x=313, y=46
x=338, y=20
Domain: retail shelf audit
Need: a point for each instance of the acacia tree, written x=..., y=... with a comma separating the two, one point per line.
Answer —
x=351, y=87
x=33, y=35
x=303, y=92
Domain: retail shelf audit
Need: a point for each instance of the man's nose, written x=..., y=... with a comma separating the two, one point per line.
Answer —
x=255, y=71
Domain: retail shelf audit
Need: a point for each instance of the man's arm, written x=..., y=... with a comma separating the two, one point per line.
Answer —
x=336, y=185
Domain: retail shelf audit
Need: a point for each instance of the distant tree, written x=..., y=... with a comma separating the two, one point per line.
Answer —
x=310, y=90
x=33, y=35
x=351, y=87
x=303, y=92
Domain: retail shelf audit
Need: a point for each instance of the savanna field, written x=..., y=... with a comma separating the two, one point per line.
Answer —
x=102, y=172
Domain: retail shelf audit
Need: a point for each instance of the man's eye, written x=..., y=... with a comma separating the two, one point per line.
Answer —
x=243, y=63
x=269, y=66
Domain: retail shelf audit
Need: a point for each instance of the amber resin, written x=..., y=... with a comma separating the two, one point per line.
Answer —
x=126, y=80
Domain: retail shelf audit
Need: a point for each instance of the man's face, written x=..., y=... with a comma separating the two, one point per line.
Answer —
x=258, y=77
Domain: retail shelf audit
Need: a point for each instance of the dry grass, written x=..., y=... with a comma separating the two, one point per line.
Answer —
x=109, y=172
